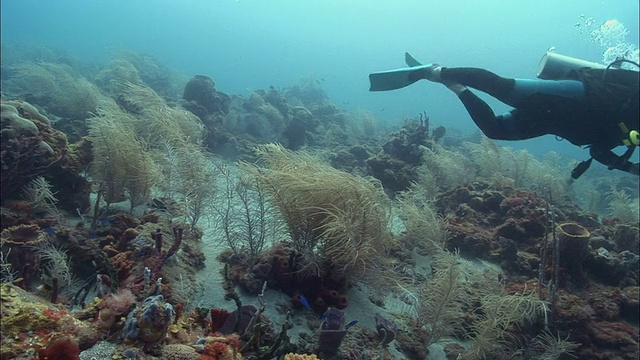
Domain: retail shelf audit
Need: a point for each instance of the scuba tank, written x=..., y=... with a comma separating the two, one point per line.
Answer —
x=554, y=66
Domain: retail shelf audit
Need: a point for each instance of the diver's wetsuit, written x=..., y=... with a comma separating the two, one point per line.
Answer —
x=570, y=109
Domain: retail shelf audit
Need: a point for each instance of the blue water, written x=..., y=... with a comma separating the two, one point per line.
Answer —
x=251, y=44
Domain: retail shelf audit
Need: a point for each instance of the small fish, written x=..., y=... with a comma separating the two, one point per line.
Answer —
x=107, y=220
x=49, y=231
x=304, y=302
x=353, y=322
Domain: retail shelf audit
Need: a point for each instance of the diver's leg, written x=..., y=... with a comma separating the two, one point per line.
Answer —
x=481, y=79
x=514, y=125
x=509, y=91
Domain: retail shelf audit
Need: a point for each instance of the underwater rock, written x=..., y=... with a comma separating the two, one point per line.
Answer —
x=627, y=237
x=606, y=266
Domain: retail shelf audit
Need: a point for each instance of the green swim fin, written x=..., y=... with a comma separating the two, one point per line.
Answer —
x=395, y=79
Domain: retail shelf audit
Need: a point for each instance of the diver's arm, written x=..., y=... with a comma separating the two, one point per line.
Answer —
x=612, y=160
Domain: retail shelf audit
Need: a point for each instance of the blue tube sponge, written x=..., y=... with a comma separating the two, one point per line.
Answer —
x=150, y=321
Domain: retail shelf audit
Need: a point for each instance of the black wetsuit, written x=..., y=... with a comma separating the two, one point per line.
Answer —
x=584, y=109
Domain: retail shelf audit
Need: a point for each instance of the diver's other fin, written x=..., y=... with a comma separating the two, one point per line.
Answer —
x=397, y=78
x=410, y=60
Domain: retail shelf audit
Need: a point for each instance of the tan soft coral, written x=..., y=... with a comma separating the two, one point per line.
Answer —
x=340, y=216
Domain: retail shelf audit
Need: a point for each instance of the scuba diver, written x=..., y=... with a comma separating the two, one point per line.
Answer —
x=586, y=103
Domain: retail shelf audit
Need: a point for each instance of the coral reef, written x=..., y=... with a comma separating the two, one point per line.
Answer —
x=509, y=227
x=452, y=239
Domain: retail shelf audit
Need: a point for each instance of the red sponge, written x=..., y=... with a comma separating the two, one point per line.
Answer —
x=60, y=350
